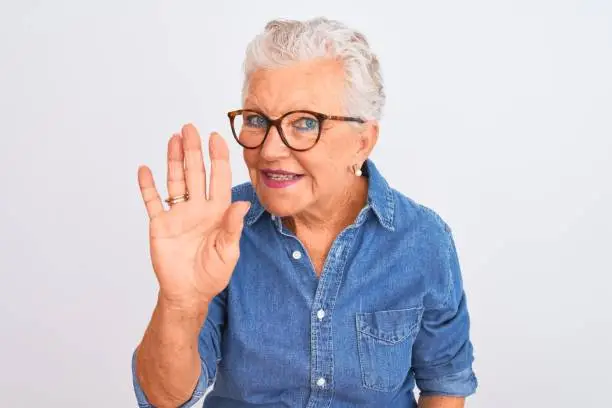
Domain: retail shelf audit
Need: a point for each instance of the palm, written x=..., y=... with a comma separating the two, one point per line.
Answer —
x=194, y=244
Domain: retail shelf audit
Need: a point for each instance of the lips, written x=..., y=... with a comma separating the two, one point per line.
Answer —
x=275, y=176
x=278, y=178
x=280, y=174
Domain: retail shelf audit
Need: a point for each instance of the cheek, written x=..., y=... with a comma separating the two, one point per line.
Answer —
x=250, y=157
x=325, y=170
x=334, y=154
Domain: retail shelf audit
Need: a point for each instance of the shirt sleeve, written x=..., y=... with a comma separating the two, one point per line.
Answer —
x=209, y=347
x=443, y=353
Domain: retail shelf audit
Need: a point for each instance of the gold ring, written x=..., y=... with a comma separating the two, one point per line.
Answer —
x=177, y=199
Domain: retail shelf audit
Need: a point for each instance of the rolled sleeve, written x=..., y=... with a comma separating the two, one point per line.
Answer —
x=461, y=384
x=443, y=352
x=209, y=347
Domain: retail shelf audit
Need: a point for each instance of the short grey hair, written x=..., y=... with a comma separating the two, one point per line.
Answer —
x=287, y=41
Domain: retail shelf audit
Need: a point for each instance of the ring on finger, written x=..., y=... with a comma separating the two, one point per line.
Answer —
x=177, y=199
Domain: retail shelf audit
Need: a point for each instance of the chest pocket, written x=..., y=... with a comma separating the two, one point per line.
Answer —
x=385, y=340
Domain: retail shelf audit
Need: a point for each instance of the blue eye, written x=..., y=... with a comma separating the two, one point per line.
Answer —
x=306, y=124
x=257, y=121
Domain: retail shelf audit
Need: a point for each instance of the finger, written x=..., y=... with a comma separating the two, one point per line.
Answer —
x=149, y=193
x=176, y=174
x=195, y=174
x=221, y=174
x=228, y=239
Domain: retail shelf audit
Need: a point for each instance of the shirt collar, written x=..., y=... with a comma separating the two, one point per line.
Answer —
x=380, y=198
x=380, y=195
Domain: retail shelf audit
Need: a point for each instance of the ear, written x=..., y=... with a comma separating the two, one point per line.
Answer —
x=368, y=136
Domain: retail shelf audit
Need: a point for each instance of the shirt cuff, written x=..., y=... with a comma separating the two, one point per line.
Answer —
x=461, y=384
x=143, y=402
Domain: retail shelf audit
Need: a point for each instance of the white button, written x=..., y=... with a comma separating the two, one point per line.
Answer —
x=321, y=314
x=321, y=382
x=296, y=254
x=273, y=218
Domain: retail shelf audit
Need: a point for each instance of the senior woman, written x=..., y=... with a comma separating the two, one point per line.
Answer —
x=316, y=284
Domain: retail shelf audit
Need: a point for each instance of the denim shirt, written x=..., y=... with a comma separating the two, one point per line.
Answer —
x=388, y=313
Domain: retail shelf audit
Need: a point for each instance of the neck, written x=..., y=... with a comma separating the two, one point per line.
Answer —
x=331, y=216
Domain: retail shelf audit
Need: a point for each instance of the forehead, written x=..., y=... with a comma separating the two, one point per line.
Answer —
x=314, y=85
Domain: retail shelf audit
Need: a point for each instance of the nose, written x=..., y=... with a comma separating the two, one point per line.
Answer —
x=273, y=147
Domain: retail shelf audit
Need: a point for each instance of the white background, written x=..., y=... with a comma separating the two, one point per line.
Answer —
x=498, y=117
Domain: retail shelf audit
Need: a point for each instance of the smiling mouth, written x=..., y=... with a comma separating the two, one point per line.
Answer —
x=282, y=177
x=279, y=178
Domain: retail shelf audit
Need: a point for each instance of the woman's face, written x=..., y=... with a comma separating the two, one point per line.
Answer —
x=322, y=172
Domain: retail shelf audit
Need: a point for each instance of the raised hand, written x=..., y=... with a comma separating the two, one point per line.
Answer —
x=194, y=244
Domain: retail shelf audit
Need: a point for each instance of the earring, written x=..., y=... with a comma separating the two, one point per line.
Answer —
x=357, y=170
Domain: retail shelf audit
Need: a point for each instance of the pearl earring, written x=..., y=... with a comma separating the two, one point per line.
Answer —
x=357, y=170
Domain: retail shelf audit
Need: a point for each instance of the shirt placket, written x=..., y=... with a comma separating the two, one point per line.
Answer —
x=321, y=317
x=321, y=340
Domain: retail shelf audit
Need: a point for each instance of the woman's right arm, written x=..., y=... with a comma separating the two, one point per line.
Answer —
x=194, y=248
x=168, y=364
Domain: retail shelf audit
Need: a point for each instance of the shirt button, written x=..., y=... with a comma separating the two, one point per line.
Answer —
x=296, y=255
x=273, y=218
x=321, y=314
x=321, y=382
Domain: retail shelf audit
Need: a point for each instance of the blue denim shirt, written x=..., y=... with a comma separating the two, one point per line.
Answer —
x=388, y=313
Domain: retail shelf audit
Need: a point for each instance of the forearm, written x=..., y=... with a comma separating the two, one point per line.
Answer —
x=441, y=402
x=168, y=364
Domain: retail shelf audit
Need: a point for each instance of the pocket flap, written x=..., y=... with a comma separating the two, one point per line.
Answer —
x=391, y=326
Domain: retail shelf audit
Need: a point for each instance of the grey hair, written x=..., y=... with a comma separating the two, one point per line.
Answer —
x=288, y=41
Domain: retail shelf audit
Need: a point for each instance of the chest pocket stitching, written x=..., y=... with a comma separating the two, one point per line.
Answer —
x=379, y=335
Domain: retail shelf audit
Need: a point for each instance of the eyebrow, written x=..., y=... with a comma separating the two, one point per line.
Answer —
x=307, y=104
x=249, y=105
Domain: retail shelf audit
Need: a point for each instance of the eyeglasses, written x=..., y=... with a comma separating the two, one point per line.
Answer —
x=299, y=130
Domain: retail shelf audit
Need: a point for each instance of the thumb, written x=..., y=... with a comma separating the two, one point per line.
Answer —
x=234, y=219
x=231, y=227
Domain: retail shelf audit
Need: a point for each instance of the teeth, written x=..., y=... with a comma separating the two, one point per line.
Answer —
x=282, y=176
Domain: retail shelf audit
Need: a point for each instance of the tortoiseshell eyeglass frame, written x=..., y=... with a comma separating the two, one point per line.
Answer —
x=321, y=117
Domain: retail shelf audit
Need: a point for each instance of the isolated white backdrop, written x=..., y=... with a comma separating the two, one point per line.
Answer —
x=498, y=117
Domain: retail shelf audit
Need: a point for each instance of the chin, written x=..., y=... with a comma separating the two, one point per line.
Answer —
x=281, y=206
x=279, y=209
